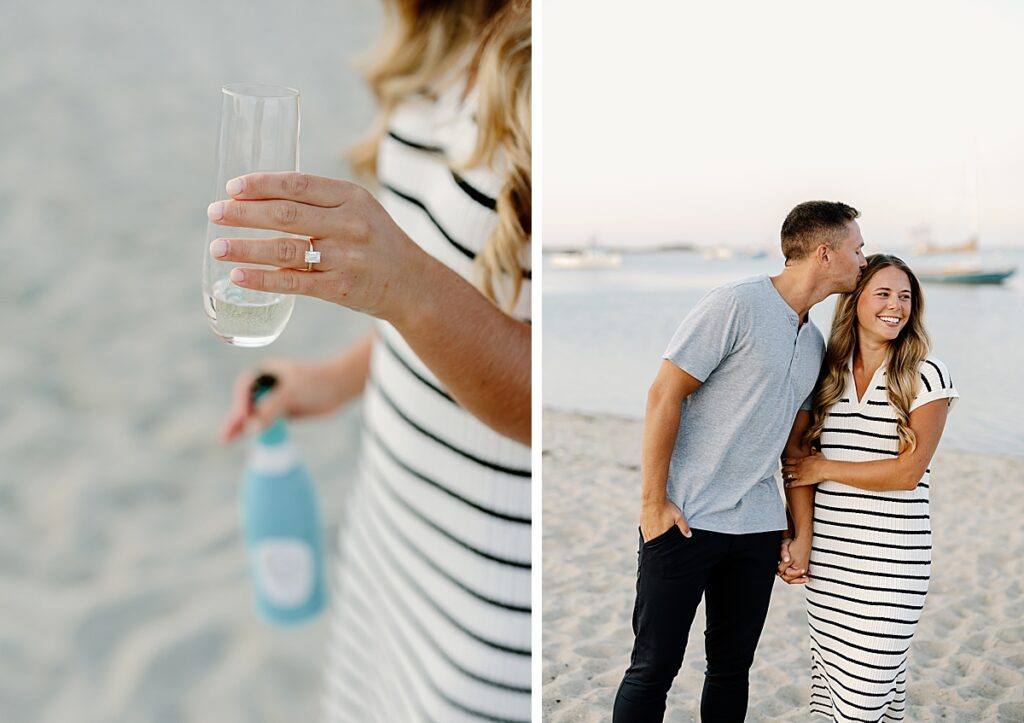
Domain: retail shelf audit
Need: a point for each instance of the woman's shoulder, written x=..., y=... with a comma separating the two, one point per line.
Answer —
x=935, y=374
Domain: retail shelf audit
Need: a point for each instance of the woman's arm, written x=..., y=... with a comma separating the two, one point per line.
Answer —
x=901, y=473
x=800, y=501
x=480, y=354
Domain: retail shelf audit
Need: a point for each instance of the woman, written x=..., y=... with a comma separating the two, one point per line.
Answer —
x=431, y=616
x=860, y=504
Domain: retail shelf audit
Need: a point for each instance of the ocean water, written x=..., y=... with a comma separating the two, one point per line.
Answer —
x=605, y=331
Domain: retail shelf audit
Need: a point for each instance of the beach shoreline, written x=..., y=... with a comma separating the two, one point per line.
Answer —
x=966, y=660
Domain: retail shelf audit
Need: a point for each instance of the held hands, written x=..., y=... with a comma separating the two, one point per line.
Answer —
x=657, y=518
x=367, y=262
x=803, y=471
x=795, y=555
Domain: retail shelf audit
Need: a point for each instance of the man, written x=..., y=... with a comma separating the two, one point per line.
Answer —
x=718, y=416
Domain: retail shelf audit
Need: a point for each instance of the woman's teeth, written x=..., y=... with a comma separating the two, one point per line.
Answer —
x=890, y=320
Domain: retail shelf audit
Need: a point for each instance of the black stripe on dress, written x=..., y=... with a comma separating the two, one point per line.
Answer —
x=876, y=618
x=873, y=651
x=514, y=471
x=845, y=672
x=386, y=486
x=890, y=590
x=415, y=144
x=872, y=543
x=431, y=639
x=860, y=449
x=393, y=456
x=942, y=381
x=868, y=497
x=475, y=193
x=870, y=573
x=862, y=416
x=416, y=551
x=872, y=513
x=872, y=529
x=830, y=681
x=891, y=636
x=816, y=591
x=874, y=708
x=424, y=675
x=467, y=252
x=888, y=681
x=816, y=642
x=401, y=360
x=871, y=559
x=857, y=431
x=926, y=384
x=429, y=599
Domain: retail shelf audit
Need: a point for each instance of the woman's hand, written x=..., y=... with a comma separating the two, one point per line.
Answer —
x=367, y=262
x=303, y=389
x=803, y=471
x=796, y=570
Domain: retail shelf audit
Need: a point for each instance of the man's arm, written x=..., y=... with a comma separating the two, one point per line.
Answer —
x=661, y=425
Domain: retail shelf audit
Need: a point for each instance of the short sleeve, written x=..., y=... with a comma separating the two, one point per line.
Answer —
x=707, y=334
x=936, y=383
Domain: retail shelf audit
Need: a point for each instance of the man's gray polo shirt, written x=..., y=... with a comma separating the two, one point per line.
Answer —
x=758, y=366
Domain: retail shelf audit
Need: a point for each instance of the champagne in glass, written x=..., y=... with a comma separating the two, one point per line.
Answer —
x=259, y=131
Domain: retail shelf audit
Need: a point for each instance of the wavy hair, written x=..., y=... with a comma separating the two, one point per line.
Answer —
x=903, y=358
x=426, y=42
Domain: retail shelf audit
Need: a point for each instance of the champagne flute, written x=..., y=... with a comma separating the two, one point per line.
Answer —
x=259, y=131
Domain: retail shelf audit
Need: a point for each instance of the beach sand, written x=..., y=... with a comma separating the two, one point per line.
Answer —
x=967, y=657
x=124, y=593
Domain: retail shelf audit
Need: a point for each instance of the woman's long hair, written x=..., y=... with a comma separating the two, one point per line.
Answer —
x=903, y=359
x=426, y=42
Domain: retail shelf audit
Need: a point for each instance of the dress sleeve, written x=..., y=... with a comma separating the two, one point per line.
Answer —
x=936, y=383
x=707, y=335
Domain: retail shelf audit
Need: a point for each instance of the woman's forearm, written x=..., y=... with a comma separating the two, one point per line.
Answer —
x=879, y=476
x=480, y=354
x=348, y=371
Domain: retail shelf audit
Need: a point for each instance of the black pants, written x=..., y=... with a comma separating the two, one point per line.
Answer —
x=735, y=574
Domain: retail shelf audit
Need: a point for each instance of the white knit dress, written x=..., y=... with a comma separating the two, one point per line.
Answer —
x=870, y=561
x=431, y=597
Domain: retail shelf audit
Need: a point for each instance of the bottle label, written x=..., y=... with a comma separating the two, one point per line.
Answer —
x=272, y=459
x=284, y=568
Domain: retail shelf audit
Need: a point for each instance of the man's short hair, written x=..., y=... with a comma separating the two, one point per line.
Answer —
x=812, y=223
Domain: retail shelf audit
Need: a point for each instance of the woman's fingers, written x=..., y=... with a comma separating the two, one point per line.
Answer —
x=236, y=418
x=280, y=281
x=301, y=187
x=286, y=216
x=285, y=252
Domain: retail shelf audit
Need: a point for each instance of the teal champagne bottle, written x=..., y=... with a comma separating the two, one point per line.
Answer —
x=281, y=526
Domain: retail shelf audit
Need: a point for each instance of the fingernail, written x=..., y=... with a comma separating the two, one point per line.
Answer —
x=219, y=248
x=234, y=186
x=215, y=211
x=237, y=275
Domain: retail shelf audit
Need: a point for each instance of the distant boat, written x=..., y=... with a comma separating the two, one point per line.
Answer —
x=591, y=257
x=967, y=274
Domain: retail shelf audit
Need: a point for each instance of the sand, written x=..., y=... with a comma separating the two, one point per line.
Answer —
x=124, y=594
x=967, y=657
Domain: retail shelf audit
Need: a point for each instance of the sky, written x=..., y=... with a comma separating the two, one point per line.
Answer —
x=707, y=122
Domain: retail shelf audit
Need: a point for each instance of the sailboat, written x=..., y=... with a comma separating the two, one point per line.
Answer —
x=591, y=257
x=963, y=265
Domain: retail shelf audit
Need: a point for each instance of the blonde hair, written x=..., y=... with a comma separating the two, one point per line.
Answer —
x=426, y=42
x=903, y=358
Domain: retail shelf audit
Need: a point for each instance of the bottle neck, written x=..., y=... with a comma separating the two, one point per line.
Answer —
x=275, y=434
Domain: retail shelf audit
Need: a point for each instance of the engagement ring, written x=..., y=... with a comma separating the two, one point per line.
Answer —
x=312, y=257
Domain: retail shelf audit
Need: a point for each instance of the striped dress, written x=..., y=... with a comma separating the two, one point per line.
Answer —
x=870, y=561
x=431, y=598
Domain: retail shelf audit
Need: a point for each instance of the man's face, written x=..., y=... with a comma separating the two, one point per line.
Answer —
x=847, y=261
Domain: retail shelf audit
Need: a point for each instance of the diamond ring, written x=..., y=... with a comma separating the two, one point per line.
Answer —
x=312, y=256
